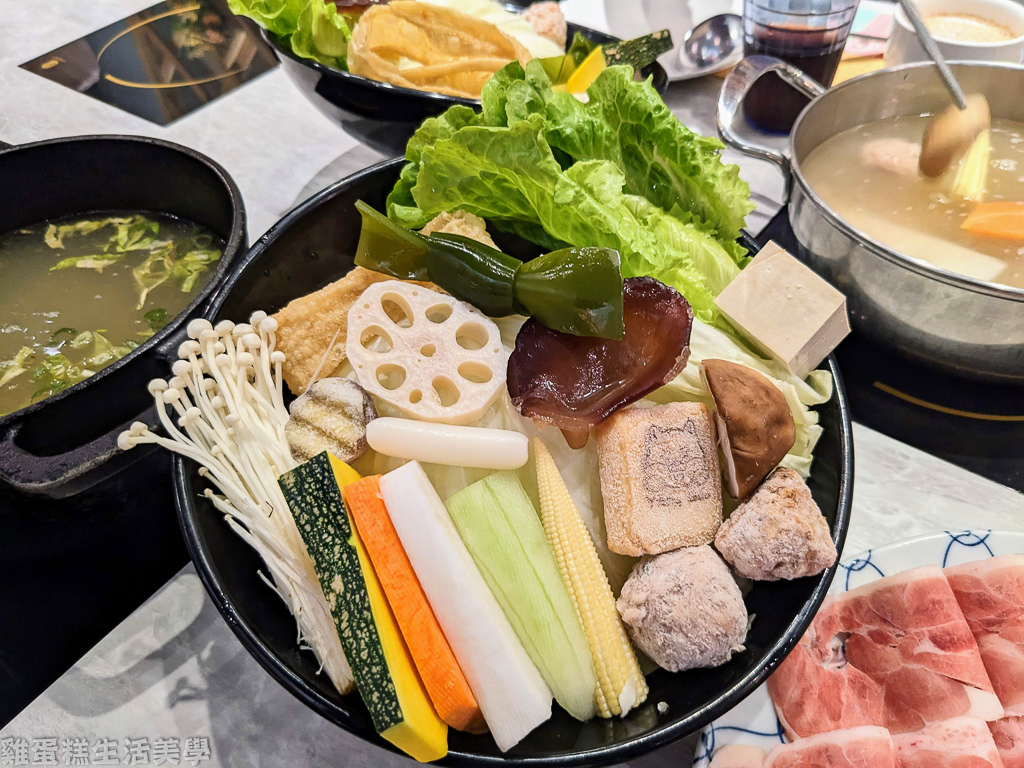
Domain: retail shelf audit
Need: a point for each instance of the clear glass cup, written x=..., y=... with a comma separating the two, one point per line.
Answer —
x=809, y=34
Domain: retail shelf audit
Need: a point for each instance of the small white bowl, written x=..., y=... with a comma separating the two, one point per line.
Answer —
x=904, y=47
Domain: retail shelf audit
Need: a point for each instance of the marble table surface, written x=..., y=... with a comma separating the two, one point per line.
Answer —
x=172, y=677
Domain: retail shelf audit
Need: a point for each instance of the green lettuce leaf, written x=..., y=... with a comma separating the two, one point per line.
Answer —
x=401, y=208
x=323, y=34
x=494, y=96
x=662, y=159
x=618, y=171
x=627, y=123
x=313, y=29
x=679, y=234
x=279, y=17
x=509, y=176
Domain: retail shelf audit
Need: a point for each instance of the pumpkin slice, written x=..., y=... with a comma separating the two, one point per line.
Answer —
x=381, y=664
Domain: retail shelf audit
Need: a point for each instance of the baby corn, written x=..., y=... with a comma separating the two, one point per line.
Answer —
x=972, y=175
x=620, y=683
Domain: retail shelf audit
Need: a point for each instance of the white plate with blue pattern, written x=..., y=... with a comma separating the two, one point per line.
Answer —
x=754, y=722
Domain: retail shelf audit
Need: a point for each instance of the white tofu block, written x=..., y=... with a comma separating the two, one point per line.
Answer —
x=785, y=309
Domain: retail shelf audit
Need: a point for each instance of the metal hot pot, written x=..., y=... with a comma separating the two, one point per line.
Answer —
x=946, y=319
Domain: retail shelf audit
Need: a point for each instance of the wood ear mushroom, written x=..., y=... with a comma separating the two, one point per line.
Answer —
x=576, y=382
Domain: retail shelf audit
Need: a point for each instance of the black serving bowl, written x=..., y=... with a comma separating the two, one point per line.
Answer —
x=314, y=245
x=382, y=115
x=68, y=442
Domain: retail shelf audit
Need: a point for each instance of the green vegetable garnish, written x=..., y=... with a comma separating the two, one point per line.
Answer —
x=132, y=233
x=56, y=373
x=157, y=318
x=136, y=234
x=97, y=262
x=191, y=265
x=11, y=369
x=574, y=290
x=619, y=172
x=56, y=233
x=82, y=339
x=154, y=271
x=184, y=261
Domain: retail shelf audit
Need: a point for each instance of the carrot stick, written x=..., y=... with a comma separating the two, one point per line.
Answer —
x=1005, y=220
x=446, y=685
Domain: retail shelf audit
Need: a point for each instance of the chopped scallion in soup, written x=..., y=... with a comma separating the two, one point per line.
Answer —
x=970, y=221
x=78, y=294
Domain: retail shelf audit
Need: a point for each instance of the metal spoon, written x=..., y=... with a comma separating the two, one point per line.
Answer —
x=712, y=41
x=930, y=47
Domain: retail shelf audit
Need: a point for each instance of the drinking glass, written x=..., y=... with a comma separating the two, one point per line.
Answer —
x=809, y=34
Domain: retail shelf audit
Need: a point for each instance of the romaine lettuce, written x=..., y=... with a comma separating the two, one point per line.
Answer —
x=619, y=171
x=313, y=29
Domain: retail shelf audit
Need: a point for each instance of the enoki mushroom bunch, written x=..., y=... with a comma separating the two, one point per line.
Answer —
x=227, y=413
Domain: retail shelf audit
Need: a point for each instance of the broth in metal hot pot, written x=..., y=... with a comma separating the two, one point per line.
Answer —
x=969, y=221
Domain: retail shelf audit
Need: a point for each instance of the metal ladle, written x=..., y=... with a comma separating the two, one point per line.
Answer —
x=951, y=133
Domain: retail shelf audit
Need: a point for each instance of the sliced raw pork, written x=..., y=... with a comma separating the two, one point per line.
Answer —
x=961, y=742
x=814, y=690
x=896, y=652
x=738, y=756
x=991, y=595
x=1009, y=738
x=868, y=746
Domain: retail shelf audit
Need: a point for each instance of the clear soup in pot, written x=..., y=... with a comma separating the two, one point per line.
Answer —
x=868, y=176
x=78, y=294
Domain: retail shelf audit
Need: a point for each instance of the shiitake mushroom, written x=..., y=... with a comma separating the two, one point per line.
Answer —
x=755, y=424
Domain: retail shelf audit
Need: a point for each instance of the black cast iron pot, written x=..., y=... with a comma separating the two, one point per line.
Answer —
x=313, y=245
x=67, y=443
x=382, y=115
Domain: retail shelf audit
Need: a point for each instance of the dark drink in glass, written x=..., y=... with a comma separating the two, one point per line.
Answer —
x=810, y=34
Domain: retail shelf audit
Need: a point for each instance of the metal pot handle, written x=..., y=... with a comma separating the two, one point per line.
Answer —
x=734, y=91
